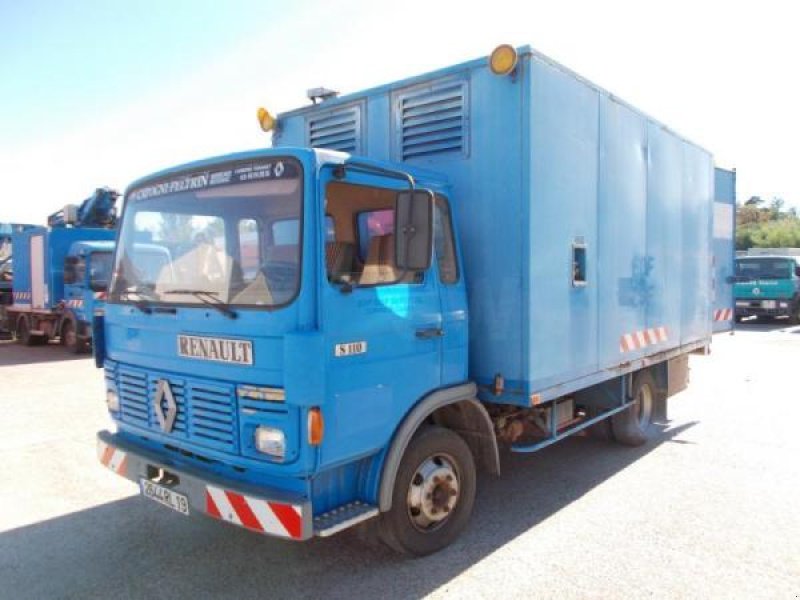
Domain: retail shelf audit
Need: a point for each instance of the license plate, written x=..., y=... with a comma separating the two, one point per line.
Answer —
x=768, y=304
x=165, y=496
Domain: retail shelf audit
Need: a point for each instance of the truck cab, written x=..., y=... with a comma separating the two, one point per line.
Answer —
x=87, y=271
x=767, y=287
x=282, y=336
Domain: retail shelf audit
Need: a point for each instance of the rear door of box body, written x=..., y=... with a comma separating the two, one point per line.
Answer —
x=724, y=247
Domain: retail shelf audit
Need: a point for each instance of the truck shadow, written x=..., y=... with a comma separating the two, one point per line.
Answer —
x=132, y=548
x=778, y=325
x=14, y=354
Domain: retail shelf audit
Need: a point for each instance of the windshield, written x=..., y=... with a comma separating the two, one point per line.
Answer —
x=765, y=268
x=99, y=269
x=231, y=236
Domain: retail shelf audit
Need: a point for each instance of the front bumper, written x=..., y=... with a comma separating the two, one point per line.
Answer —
x=271, y=512
x=757, y=311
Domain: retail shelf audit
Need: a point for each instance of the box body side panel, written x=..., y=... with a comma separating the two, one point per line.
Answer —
x=698, y=199
x=664, y=262
x=563, y=164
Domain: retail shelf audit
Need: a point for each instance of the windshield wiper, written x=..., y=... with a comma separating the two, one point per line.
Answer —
x=204, y=296
x=144, y=294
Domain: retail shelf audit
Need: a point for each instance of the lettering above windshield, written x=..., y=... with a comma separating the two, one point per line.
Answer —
x=278, y=169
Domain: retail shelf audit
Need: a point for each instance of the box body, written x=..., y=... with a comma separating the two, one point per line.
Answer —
x=552, y=177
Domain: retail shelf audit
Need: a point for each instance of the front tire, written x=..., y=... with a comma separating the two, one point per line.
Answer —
x=434, y=492
x=69, y=338
x=632, y=426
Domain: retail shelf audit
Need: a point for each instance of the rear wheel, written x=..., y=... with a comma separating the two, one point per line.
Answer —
x=433, y=495
x=632, y=426
x=24, y=332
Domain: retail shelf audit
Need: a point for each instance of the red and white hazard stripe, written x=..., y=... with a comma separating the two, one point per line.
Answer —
x=75, y=303
x=723, y=314
x=642, y=339
x=113, y=458
x=23, y=295
x=260, y=515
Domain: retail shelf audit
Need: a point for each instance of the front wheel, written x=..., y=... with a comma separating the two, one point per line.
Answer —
x=434, y=492
x=70, y=339
x=632, y=426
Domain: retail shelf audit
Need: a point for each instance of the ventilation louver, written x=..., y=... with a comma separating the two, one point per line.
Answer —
x=432, y=120
x=336, y=130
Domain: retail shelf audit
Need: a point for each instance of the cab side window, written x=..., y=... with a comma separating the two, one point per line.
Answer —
x=444, y=244
x=360, y=249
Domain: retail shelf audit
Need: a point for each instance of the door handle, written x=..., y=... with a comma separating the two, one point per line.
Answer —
x=428, y=333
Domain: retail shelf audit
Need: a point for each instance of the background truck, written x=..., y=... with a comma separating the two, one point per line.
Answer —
x=61, y=273
x=495, y=255
x=767, y=286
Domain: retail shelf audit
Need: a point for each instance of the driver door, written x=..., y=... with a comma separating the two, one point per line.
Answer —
x=382, y=327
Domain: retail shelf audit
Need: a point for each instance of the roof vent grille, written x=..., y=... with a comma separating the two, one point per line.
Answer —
x=338, y=129
x=433, y=120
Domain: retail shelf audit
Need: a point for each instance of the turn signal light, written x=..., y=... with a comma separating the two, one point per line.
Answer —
x=316, y=427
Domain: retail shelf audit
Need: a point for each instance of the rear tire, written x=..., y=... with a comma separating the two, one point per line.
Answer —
x=434, y=492
x=24, y=332
x=632, y=426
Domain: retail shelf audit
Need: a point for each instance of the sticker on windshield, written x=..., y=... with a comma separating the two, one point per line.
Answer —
x=238, y=352
x=350, y=349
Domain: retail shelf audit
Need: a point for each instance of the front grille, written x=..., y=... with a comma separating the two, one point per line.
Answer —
x=206, y=411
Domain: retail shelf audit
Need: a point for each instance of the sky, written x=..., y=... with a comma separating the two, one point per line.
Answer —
x=97, y=93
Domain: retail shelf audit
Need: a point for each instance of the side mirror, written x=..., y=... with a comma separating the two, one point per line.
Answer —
x=797, y=271
x=99, y=286
x=99, y=339
x=413, y=225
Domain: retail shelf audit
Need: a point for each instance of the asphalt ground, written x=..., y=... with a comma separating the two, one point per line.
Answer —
x=710, y=508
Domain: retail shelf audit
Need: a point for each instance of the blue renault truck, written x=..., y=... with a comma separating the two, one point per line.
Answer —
x=61, y=273
x=493, y=256
x=768, y=286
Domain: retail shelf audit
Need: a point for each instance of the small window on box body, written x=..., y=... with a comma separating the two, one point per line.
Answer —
x=578, y=264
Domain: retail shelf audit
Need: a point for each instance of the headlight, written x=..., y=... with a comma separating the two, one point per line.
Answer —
x=784, y=304
x=269, y=440
x=112, y=400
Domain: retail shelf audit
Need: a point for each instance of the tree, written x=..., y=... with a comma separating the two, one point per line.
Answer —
x=758, y=226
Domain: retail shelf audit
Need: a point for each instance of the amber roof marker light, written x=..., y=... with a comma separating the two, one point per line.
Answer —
x=503, y=60
x=266, y=120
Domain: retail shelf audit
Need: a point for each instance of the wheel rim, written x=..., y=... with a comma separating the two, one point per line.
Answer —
x=433, y=493
x=644, y=406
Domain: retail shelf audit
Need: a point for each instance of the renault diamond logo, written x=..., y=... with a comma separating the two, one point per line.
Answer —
x=164, y=396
